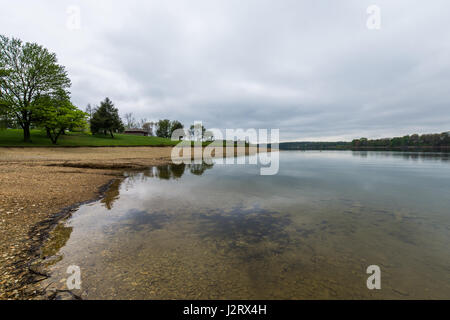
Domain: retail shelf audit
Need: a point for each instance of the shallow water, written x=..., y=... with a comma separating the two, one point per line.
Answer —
x=225, y=232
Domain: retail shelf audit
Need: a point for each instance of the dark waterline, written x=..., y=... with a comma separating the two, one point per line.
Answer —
x=225, y=232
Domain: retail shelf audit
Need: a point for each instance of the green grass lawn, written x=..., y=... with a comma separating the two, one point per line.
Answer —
x=13, y=137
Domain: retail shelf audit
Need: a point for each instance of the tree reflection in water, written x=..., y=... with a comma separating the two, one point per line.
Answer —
x=435, y=156
x=58, y=239
x=112, y=194
x=199, y=169
x=162, y=172
x=170, y=171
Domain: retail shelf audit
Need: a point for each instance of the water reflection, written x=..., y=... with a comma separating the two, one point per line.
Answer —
x=199, y=169
x=137, y=220
x=166, y=172
x=112, y=194
x=177, y=232
x=58, y=239
x=171, y=171
x=162, y=172
x=435, y=156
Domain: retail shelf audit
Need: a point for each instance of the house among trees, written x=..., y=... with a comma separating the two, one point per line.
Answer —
x=136, y=132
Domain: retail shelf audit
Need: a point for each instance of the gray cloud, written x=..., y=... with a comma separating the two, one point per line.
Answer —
x=310, y=68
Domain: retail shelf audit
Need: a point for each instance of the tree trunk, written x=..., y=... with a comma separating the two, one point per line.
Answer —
x=26, y=133
x=54, y=137
x=112, y=136
x=58, y=134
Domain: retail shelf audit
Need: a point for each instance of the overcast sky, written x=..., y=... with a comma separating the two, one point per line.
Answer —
x=313, y=69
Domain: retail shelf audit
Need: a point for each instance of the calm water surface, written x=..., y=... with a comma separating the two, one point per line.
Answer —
x=225, y=232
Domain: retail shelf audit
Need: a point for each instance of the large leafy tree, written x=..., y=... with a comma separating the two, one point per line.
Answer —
x=163, y=130
x=56, y=113
x=106, y=119
x=166, y=128
x=175, y=125
x=29, y=72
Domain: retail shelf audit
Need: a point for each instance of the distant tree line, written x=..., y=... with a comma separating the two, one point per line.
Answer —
x=415, y=140
x=437, y=140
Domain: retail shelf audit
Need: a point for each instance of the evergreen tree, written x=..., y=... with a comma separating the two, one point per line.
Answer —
x=106, y=119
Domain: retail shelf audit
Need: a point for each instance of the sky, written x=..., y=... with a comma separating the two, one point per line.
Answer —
x=316, y=70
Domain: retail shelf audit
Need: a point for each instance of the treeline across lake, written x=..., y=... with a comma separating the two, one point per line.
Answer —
x=437, y=141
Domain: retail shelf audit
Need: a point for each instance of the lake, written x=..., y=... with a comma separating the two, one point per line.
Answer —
x=225, y=232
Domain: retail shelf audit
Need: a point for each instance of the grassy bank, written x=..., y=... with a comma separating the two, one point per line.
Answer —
x=14, y=138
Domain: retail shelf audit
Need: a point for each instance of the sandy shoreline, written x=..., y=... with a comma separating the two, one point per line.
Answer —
x=36, y=184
